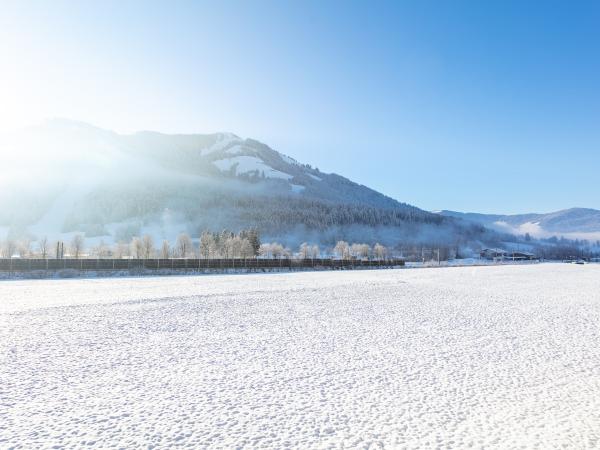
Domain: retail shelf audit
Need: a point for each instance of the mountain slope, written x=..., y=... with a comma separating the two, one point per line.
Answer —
x=574, y=223
x=74, y=177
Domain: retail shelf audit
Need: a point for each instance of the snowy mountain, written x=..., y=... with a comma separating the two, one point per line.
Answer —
x=574, y=223
x=66, y=177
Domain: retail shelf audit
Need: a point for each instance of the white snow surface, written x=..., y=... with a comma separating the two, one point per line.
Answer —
x=247, y=164
x=486, y=357
x=223, y=140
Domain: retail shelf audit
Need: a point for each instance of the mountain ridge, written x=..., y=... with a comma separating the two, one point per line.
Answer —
x=113, y=186
x=570, y=223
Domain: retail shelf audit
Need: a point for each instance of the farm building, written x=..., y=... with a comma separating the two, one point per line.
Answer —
x=493, y=253
x=521, y=256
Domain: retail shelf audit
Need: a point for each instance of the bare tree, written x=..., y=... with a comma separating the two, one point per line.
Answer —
x=9, y=248
x=121, y=250
x=184, y=245
x=24, y=248
x=43, y=246
x=147, y=246
x=77, y=244
x=137, y=248
x=60, y=250
x=101, y=250
x=165, y=250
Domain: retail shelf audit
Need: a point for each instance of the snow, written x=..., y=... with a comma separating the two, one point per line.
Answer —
x=223, y=140
x=249, y=164
x=537, y=231
x=487, y=357
x=314, y=177
x=297, y=188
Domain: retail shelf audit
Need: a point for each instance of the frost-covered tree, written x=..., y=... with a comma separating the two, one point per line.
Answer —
x=265, y=250
x=247, y=249
x=305, y=250
x=233, y=246
x=363, y=251
x=223, y=243
x=380, y=251
x=208, y=245
x=342, y=250
x=272, y=250
x=315, y=252
x=277, y=250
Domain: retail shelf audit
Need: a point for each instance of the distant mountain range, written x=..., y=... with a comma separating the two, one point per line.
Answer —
x=65, y=177
x=69, y=177
x=574, y=223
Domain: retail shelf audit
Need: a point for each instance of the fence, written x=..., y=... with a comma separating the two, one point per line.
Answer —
x=27, y=265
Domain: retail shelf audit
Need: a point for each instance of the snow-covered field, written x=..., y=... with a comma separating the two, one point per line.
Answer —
x=483, y=357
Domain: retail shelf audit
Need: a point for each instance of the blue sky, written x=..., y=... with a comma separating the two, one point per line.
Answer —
x=472, y=106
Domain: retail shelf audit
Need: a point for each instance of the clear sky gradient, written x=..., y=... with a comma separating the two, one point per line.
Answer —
x=473, y=106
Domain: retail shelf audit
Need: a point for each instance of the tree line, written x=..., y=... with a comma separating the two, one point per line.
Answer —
x=209, y=245
x=247, y=244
